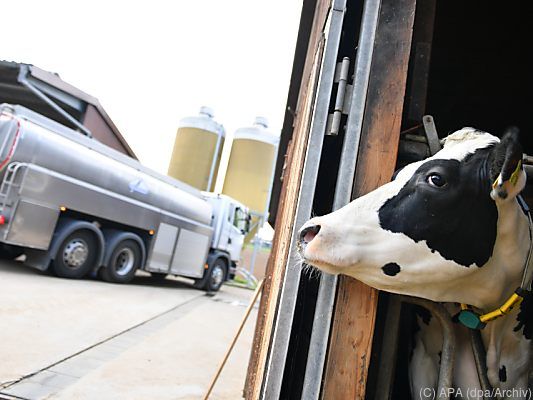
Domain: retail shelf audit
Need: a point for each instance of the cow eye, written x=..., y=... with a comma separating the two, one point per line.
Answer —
x=436, y=180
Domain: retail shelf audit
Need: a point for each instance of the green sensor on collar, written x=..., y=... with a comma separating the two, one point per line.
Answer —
x=470, y=319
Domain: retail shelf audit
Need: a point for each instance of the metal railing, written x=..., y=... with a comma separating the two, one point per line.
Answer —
x=389, y=347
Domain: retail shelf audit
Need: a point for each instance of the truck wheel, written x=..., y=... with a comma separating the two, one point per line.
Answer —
x=214, y=276
x=77, y=255
x=124, y=261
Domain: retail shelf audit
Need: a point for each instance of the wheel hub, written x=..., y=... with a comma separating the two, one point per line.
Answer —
x=124, y=262
x=217, y=276
x=75, y=253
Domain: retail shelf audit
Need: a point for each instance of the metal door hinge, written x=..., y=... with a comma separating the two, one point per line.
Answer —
x=343, y=98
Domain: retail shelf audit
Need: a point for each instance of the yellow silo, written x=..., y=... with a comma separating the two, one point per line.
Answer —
x=251, y=168
x=197, y=149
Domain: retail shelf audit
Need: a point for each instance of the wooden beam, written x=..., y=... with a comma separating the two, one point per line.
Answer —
x=289, y=196
x=355, y=311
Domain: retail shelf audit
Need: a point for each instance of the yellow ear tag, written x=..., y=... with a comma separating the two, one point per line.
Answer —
x=497, y=182
x=514, y=176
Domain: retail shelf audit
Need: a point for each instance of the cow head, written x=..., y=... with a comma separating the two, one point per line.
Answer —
x=433, y=230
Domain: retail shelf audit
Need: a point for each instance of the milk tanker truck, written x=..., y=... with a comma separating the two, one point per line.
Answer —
x=78, y=207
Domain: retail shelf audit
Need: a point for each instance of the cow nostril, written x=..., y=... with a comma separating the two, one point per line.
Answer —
x=309, y=233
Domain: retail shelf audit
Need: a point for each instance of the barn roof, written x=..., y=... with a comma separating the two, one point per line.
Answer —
x=85, y=111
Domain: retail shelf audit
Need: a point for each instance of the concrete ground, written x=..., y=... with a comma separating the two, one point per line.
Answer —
x=68, y=339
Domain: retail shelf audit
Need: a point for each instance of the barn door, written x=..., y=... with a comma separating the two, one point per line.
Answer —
x=272, y=335
x=355, y=310
x=279, y=296
x=323, y=348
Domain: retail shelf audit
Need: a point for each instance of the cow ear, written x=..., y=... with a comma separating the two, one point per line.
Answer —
x=507, y=175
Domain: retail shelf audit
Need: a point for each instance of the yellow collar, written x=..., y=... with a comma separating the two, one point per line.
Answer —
x=474, y=320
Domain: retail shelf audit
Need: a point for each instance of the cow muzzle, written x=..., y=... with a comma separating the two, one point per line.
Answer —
x=312, y=248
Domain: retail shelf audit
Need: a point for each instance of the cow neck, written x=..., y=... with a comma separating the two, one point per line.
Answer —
x=473, y=320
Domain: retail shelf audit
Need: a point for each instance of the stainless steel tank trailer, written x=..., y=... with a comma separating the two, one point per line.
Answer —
x=77, y=206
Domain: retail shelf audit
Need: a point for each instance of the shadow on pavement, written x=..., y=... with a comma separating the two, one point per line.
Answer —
x=142, y=278
x=18, y=267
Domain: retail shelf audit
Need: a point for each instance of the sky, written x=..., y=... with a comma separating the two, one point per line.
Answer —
x=151, y=63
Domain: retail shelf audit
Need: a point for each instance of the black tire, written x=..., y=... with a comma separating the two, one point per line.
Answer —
x=159, y=276
x=77, y=255
x=125, y=259
x=214, y=276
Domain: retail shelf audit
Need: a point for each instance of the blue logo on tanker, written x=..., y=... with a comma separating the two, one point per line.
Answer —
x=138, y=186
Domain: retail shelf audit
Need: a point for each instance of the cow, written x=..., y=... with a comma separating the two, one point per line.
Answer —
x=450, y=229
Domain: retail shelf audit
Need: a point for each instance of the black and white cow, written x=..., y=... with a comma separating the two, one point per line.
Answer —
x=442, y=231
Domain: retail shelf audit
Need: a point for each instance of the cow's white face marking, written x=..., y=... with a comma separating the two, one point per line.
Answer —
x=407, y=236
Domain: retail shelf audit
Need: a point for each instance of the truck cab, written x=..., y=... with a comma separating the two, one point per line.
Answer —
x=230, y=222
